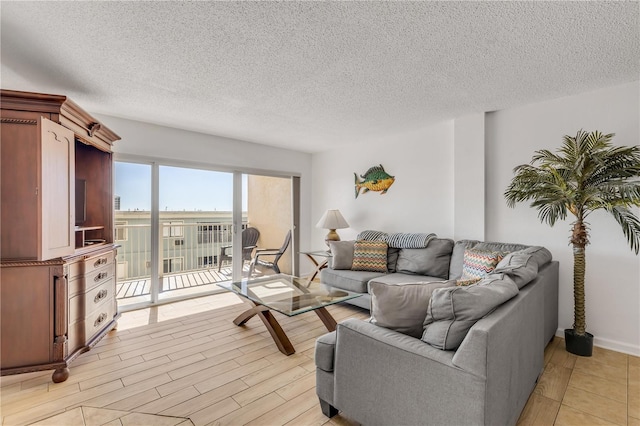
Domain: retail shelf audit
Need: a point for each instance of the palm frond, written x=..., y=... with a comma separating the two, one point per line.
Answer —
x=550, y=210
x=630, y=225
x=548, y=157
x=615, y=163
x=550, y=193
x=585, y=174
x=619, y=192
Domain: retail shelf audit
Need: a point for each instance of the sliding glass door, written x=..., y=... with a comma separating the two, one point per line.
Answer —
x=182, y=229
x=133, y=232
x=196, y=222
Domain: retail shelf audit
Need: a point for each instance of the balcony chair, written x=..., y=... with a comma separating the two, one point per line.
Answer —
x=276, y=253
x=249, y=240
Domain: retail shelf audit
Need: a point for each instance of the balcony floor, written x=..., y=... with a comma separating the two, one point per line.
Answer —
x=134, y=288
x=142, y=286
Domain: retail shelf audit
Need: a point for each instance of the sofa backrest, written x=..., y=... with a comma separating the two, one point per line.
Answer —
x=541, y=255
x=432, y=260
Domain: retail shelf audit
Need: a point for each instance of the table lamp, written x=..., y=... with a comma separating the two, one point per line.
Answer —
x=332, y=220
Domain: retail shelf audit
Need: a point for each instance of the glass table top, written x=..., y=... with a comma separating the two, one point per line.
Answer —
x=288, y=295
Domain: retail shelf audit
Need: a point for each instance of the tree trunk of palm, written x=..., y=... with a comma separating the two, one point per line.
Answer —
x=579, y=239
x=579, y=324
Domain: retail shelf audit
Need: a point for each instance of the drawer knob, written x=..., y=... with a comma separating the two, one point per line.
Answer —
x=101, y=261
x=101, y=295
x=100, y=276
x=100, y=320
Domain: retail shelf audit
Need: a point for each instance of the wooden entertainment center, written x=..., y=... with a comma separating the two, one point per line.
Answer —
x=58, y=267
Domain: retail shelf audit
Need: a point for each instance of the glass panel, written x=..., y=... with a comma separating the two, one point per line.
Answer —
x=288, y=295
x=133, y=232
x=269, y=210
x=196, y=236
x=194, y=239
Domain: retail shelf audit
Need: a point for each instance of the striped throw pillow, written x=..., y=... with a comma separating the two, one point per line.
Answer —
x=477, y=264
x=369, y=256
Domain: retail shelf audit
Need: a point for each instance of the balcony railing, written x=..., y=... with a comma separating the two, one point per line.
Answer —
x=189, y=256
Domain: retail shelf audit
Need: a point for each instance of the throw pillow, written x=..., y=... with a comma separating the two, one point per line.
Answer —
x=402, y=308
x=453, y=311
x=370, y=256
x=520, y=266
x=477, y=264
x=341, y=254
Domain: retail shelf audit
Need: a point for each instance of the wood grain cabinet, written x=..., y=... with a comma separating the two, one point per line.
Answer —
x=58, y=268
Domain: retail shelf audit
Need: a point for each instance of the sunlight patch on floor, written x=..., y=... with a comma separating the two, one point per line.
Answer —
x=156, y=314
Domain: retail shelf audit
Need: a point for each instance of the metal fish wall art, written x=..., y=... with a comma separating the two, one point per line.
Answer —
x=374, y=179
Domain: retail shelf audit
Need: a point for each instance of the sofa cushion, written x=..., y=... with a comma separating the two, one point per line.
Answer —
x=355, y=281
x=432, y=260
x=370, y=256
x=400, y=278
x=341, y=254
x=453, y=311
x=520, y=266
x=477, y=264
x=325, y=350
x=402, y=308
x=392, y=258
x=541, y=255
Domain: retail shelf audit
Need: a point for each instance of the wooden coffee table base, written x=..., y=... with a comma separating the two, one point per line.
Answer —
x=276, y=331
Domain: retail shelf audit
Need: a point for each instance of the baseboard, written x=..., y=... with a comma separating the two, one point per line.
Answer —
x=613, y=345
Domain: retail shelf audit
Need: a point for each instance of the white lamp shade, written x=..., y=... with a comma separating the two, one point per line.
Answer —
x=332, y=219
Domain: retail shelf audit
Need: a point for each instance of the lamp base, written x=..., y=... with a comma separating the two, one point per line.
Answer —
x=331, y=236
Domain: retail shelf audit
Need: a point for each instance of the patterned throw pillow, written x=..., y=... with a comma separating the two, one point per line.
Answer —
x=369, y=256
x=477, y=264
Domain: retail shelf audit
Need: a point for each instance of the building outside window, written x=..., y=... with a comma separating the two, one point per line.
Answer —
x=169, y=229
x=205, y=233
x=207, y=261
x=121, y=230
x=173, y=264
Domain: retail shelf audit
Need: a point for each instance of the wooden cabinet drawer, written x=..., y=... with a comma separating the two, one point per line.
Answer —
x=82, y=332
x=82, y=304
x=96, y=262
x=99, y=276
x=85, y=274
x=98, y=319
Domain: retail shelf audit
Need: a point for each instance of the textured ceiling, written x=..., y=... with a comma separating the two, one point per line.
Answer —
x=315, y=75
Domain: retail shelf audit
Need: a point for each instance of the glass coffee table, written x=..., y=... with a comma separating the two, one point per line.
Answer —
x=290, y=296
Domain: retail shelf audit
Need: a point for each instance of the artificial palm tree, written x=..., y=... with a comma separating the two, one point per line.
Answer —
x=586, y=174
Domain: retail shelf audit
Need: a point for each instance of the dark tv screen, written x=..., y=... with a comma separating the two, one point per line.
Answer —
x=81, y=201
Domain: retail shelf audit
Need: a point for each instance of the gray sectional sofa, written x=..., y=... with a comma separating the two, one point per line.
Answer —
x=476, y=363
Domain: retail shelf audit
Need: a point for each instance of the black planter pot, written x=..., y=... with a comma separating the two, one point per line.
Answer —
x=578, y=345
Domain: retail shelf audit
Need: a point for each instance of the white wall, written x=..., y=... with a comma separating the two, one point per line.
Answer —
x=469, y=177
x=613, y=270
x=420, y=200
x=425, y=198
x=150, y=140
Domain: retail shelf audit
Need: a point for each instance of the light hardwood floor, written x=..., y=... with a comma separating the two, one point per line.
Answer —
x=188, y=363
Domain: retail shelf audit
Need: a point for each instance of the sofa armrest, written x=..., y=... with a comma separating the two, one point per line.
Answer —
x=507, y=348
x=402, y=377
x=491, y=374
